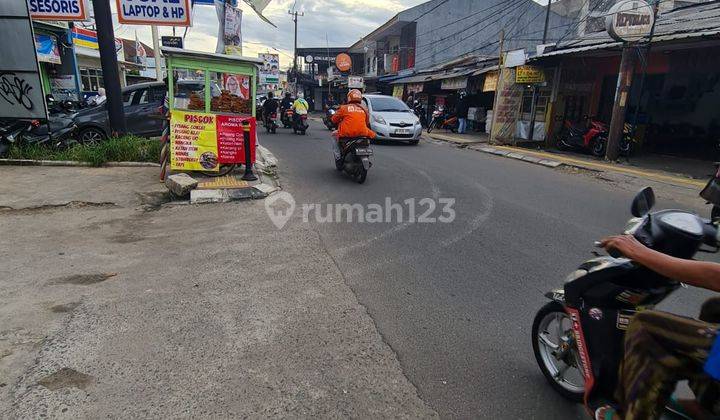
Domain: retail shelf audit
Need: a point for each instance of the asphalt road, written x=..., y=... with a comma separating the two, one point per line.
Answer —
x=455, y=301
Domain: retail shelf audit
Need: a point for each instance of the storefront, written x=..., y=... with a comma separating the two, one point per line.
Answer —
x=58, y=69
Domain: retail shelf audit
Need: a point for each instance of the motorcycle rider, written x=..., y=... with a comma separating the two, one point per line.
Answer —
x=300, y=106
x=352, y=120
x=269, y=107
x=662, y=348
x=286, y=102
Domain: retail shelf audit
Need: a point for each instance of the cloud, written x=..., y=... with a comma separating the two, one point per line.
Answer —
x=343, y=21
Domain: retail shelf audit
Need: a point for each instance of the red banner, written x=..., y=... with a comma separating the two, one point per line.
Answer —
x=230, y=139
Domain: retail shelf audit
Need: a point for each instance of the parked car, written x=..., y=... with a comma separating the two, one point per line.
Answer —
x=392, y=119
x=141, y=103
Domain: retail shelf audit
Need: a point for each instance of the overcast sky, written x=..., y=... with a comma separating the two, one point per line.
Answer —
x=344, y=22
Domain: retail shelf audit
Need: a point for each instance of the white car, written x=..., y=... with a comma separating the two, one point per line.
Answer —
x=392, y=120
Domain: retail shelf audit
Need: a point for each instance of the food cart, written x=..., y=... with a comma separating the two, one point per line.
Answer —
x=211, y=102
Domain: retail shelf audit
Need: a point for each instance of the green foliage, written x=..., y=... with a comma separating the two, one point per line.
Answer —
x=117, y=149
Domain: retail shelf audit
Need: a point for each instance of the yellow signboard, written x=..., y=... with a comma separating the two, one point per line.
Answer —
x=193, y=142
x=398, y=91
x=491, y=81
x=529, y=74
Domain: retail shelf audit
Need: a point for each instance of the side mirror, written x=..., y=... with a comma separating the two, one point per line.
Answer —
x=643, y=202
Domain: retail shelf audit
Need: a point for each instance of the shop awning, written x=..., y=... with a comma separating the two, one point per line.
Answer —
x=420, y=78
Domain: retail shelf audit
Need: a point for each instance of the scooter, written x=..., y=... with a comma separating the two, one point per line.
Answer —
x=300, y=124
x=420, y=113
x=441, y=119
x=270, y=122
x=327, y=119
x=57, y=132
x=354, y=158
x=286, y=118
x=578, y=336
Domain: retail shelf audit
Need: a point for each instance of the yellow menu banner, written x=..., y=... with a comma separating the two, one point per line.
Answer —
x=193, y=142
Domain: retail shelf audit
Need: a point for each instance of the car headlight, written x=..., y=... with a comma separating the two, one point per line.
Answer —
x=379, y=119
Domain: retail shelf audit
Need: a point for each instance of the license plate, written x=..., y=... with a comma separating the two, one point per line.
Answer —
x=363, y=152
x=402, y=131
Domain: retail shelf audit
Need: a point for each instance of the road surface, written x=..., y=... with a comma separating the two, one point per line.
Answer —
x=455, y=301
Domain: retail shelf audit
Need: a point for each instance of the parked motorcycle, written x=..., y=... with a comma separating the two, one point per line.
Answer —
x=593, y=139
x=578, y=336
x=286, y=118
x=442, y=119
x=57, y=132
x=711, y=193
x=354, y=158
x=327, y=119
x=270, y=122
x=300, y=124
x=419, y=110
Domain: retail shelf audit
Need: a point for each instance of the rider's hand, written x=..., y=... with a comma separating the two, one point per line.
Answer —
x=626, y=245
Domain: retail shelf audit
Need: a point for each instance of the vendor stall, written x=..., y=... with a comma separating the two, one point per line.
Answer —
x=211, y=104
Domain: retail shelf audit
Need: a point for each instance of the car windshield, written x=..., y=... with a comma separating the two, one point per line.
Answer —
x=388, y=104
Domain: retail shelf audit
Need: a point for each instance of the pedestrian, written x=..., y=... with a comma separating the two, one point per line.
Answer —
x=463, y=106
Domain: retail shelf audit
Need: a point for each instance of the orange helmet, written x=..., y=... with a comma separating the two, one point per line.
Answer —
x=354, y=96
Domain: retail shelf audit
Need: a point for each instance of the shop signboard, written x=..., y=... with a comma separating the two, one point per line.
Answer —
x=343, y=62
x=270, y=69
x=172, y=41
x=154, y=12
x=47, y=49
x=356, y=82
x=630, y=20
x=491, y=81
x=21, y=95
x=202, y=141
x=70, y=10
x=398, y=91
x=454, y=83
x=63, y=87
x=529, y=74
x=514, y=58
x=414, y=87
x=85, y=38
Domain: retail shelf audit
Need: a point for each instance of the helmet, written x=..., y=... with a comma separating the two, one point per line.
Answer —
x=288, y=95
x=270, y=95
x=354, y=96
x=463, y=94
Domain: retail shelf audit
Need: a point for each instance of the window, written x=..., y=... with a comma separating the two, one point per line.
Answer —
x=230, y=93
x=91, y=79
x=151, y=95
x=388, y=104
x=189, y=90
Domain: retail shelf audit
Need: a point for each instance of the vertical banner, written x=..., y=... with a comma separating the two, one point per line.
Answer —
x=230, y=136
x=193, y=142
x=232, y=32
x=505, y=117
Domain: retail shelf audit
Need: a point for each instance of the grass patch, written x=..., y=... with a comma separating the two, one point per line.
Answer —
x=116, y=149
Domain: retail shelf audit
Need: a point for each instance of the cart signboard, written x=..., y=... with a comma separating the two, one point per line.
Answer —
x=210, y=101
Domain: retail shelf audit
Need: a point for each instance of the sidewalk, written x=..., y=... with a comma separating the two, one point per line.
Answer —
x=650, y=167
x=113, y=308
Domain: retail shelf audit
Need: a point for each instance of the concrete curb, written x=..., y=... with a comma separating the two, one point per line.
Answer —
x=31, y=162
x=518, y=156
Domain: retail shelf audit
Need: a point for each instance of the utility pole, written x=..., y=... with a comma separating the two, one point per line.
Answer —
x=622, y=91
x=536, y=91
x=108, y=61
x=295, y=15
x=156, y=48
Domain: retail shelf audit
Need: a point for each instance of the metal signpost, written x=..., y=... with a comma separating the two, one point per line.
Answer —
x=21, y=94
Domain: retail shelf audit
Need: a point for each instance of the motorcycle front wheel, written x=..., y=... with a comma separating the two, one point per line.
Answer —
x=556, y=351
x=431, y=126
x=598, y=146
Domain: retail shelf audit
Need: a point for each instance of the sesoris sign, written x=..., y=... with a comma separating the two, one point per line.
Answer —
x=154, y=12
x=73, y=10
x=630, y=20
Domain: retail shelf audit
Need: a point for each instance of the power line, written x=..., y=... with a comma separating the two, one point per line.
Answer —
x=461, y=19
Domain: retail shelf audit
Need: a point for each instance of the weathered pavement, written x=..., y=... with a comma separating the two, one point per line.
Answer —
x=116, y=306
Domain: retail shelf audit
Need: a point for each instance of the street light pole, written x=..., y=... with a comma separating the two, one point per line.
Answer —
x=536, y=91
x=108, y=61
x=295, y=15
x=156, y=53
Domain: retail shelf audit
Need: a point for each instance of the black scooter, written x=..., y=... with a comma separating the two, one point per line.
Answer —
x=577, y=337
x=57, y=133
x=420, y=113
x=270, y=122
x=354, y=158
x=327, y=119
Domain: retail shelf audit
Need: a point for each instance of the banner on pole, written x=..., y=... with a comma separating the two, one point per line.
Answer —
x=154, y=12
x=232, y=33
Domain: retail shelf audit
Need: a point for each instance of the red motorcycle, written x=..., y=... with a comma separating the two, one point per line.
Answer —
x=442, y=119
x=593, y=139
